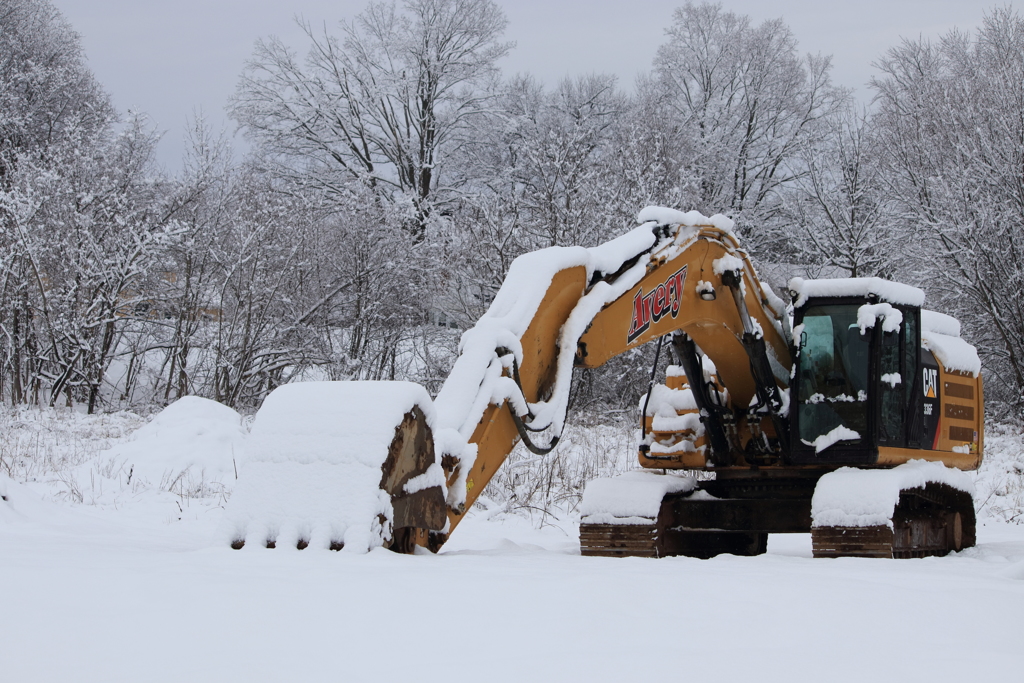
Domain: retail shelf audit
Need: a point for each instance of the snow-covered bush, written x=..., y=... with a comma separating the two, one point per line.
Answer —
x=546, y=486
x=999, y=492
x=50, y=447
x=110, y=460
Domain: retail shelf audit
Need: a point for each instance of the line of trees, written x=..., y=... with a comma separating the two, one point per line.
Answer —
x=395, y=173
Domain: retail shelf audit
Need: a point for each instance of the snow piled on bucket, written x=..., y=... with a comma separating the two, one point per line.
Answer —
x=191, y=433
x=312, y=469
x=851, y=497
x=630, y=498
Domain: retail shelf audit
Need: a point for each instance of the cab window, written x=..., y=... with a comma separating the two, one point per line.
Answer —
x=833, y=373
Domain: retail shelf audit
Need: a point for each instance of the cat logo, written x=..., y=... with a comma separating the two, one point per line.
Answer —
x=931, y=382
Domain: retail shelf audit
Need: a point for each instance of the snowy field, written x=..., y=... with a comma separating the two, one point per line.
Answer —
x=107, y=577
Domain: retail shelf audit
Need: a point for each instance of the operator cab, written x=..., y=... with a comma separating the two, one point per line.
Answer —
x=858, y=350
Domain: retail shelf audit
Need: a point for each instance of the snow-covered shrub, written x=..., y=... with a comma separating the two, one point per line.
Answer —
x=545, y=486
x=118, y=458
x=49, y=446
x=1000, y=481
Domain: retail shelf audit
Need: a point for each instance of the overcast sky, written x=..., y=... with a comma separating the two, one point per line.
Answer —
x=172, y=58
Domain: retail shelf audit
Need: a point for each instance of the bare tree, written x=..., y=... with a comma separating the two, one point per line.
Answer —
x=746, y=99
x=83, y=214
x=844, y=214
x=380, y=105
x=46, y=91
x=559, y=147
x=952, y=133
x=87, y=224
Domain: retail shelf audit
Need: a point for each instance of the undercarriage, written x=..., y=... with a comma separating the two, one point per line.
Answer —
x=735, y=512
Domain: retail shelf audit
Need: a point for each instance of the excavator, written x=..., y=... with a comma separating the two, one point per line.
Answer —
x=850, y=413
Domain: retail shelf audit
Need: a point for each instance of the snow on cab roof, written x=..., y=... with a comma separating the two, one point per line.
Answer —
x=891, y=292
x=940, y=334
x=932, y=321
x=665, y=216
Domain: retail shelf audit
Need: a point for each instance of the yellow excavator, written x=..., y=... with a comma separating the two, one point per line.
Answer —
x=848, y=414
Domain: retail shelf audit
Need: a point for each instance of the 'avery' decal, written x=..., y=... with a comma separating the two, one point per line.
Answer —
x=663, y=300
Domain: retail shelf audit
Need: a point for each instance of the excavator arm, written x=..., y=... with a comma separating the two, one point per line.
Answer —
x=693, y=282
x=496, y=433
x=704, y=291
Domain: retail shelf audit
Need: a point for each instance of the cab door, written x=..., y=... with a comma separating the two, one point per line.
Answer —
x=833, y=414
x=896, y=377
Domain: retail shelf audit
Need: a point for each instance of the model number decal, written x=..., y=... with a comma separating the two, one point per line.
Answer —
x=663, y=300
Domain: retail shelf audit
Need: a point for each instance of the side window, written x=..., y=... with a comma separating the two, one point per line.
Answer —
x=911, y=348
x=833, y=377
x=817, y=344
x=913, y=405
x=893, y=378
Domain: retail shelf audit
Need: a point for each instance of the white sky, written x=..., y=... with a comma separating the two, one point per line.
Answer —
x=171, y=59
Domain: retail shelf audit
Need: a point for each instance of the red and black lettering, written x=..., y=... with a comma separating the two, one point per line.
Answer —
x=665, y=299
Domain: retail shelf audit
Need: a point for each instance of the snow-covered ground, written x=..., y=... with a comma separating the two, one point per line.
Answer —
x=106, y=579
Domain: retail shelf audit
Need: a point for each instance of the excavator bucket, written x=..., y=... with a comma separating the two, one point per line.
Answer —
x=340, y=465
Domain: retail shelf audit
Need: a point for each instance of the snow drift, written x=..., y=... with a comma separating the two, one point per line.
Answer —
x=191, y=433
